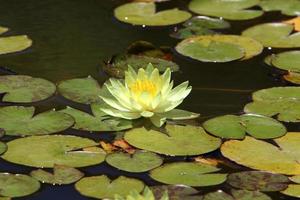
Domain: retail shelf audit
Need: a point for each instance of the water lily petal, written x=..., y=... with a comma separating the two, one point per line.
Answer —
x=113, y=103
x=117, y=113
x=147, y=114
x=158, y=120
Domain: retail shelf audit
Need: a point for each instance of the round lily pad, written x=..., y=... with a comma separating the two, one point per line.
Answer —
x=236, y=127
x=61, y=175
x=282, y=102
x=257, y=180
x=278, y=35
x=292, y=190
x=236, y=195
x=141, y=13
x=48, y=150
x=99, y=121
x=3, y=147
x=175, y=192
x=17, y=185
x=287, y=7
x=13, y=44
x=209, y=51
x=3, y=29
x=191, y=174
x=233, y=10
x=194, y=140
x=292, y=77
x=102, y=187
x=140, y=161
x=283, y=160
x=80, y=90
x=19, y=120
x=25, y=89
x=289, y=61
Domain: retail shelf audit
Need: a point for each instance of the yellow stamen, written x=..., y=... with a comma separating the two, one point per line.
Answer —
x=144, y=86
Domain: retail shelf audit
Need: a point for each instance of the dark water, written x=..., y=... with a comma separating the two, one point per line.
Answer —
x=73, y=37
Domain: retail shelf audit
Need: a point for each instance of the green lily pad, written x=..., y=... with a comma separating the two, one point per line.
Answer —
x=17, y=185
x=19, y=120
x=101, y=187
x=191, y=174
x=270, y=158
x=3, y=29
x=209, y=51
x=80, y=90
x=48, y=150
x=13, y=44
x=295, y=179
x=140, y=161
x=287, y=7
x=3, y=147
x=292, y=77
x=288, y=61
x=236, y=127
x=141, y=13
x=282, y=102
x=292, y=190
x=175, y=192
x=257, y=180
x=236, y=195
x=99, y=121
x=194, y=140
x=227, y=9
x=61, y=175
x=25, y=89
x=278, y=35
x=119, y=65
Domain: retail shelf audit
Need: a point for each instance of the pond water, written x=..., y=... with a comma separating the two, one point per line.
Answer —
x=72, y=39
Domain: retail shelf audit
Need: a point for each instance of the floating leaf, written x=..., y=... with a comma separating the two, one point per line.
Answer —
x=101, y=187
x=80, y=90
x=3, y=29
x=62, y=175
x=236, y=195
x=278, y=35
x=25, y=89
x=233, y=10
x=295, y=179
x=99, y=121
x=175, y=192
x=257, y=180
x=194, y=140
x=283, y=160
x=3, y=147
x=117, y=67
x=19, y=120
x=236, y=127
x=13, y=44
x=292, y=190
x=48, y=150
x=140, y=161
x=141, y=13
x=292, y=78
x=191, y=174
x=282, y=102
x=288, y=61
x=287, y=7
x=17, y=185
x=295, y=22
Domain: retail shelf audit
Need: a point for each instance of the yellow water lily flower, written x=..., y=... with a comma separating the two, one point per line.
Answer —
x=145, y=94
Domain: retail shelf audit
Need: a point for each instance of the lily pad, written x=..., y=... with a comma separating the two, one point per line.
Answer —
x=19, y=120
x=62, y=175
x=3, y=29
x=282, y=102
x=292, y=190
x=99, y=121
x=257, y=180
x=101, y=187
x=175, y=192
x=289, y=61
x=292, y=77
x=140, y=161
x=3, y=147
x=287, y=7
x=25, y=89
x=194, y=140
x=80, y=90
x=236, y=127
x=17, y=185
x=48, y=150
x=278, y=35
x=283, y=160
x=236, y=195
x=191, y=174
x=118, y=66
x=141, y=13
x=13, y=44
x=227, y=9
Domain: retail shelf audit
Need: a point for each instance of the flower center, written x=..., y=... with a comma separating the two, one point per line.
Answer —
x=141, y=86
